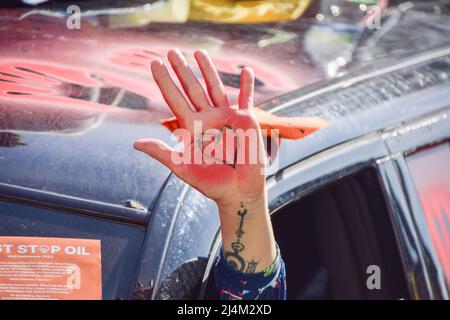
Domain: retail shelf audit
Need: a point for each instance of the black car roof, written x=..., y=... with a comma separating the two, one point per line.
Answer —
x=83, y=153
x=72, y=102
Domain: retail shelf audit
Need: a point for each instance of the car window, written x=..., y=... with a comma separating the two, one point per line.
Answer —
x=120, y=243
x=430, y=170
x=338, y=242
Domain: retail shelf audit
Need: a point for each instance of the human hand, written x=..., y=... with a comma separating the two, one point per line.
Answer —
x=231, y=164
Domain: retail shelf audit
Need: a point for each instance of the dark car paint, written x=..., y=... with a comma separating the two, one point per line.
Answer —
x=72, y=119
x=59, y=106
x=183, y=224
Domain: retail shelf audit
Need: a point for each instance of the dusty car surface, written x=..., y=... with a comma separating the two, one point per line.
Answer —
x=372, y=189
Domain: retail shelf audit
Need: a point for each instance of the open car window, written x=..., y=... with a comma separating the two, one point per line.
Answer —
x=334, y=238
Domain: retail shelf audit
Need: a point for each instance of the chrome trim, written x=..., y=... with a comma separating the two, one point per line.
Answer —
x=352, y=81
x=86, y=207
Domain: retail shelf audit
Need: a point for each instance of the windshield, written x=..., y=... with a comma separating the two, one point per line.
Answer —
x=92, y=57
x=97, y=4
x=289, y=44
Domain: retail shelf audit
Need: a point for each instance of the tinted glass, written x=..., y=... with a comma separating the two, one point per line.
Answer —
x=120, y=243
x=430, y=169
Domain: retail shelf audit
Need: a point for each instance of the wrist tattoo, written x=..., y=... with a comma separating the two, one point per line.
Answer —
x=234, y=257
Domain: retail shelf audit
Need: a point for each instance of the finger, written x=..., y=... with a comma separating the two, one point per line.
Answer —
x=214, y=85
x=245, y=100
x=161, y=152
x=172, y=95
x=188, y=80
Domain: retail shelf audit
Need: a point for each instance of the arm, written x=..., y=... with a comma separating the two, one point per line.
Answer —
x=250, y=266
x=247, y=236
x=219, y=158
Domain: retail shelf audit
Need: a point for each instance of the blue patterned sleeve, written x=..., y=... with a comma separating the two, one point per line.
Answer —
x=235, y=285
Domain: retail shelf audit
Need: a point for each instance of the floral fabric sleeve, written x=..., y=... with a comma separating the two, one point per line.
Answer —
x=232, y=284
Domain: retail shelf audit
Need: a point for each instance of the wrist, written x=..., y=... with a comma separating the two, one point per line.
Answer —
x=247, y=234
x=257, y=203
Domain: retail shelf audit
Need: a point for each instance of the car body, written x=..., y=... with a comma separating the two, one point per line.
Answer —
x=73, y=102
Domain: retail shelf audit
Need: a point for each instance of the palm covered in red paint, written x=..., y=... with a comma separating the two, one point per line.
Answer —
x=232, y=174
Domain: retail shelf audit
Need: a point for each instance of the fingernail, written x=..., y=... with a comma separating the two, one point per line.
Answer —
x=137, y=145
x=203, y=51
x=248, y=69
x=180, y=54
x=156, y=62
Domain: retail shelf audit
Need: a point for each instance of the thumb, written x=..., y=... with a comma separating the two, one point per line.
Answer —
x=161, y=152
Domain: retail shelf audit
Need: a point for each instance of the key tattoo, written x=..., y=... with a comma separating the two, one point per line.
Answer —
x=234, y=257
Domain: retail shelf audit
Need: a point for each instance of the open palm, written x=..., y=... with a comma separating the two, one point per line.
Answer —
x=218, y=159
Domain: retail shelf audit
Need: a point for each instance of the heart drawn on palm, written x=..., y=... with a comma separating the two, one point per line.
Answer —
x=218, y=148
